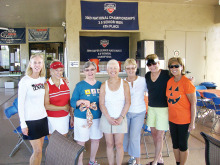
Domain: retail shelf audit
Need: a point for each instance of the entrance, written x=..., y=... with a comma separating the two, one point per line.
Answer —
x=51, y=51
x=191, y=47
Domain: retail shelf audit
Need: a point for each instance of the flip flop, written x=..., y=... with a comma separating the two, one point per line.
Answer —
x=150, y=163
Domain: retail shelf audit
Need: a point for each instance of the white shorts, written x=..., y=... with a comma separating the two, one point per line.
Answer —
x=82, y=133
x=61, y=124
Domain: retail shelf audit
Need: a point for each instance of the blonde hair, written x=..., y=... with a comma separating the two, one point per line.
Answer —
x=29, y=70
x=178, y=60
x=113, y=61
x=130, y=61
x=151, y=57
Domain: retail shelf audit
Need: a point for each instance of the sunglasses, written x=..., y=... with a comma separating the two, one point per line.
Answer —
x=174, y=66
x=152, y=63
x=131, y=68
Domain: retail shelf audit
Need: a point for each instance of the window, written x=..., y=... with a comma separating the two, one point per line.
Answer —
x=10, y=58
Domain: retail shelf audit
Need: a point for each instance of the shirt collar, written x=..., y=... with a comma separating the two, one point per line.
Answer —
x=52, y=83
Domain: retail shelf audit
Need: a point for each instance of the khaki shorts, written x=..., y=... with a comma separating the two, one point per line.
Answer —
x=105, y=127
x=158, y=117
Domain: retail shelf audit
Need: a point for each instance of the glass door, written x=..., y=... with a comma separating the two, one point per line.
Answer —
x=50, y=51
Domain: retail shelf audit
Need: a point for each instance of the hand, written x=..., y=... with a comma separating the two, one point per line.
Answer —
x=67, y=107
x=191, y=127
x=71, y=122
x=112, y=121
x=119, y=120
x=192, y=79
x=25, y=131
x=86, y=102
x=66, y=80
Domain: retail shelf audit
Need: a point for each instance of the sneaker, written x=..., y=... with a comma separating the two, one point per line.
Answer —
x=132, y=161
x=93, y=163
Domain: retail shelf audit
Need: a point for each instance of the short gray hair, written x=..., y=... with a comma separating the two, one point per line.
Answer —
x=88, y=63
x=113, y=61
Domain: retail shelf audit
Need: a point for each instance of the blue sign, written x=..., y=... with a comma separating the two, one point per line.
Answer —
x=13, y=36
x=38, y=34
x=109, y=15
x=104, y=48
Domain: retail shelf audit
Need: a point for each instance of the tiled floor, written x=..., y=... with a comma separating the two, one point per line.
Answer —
x=8, y=140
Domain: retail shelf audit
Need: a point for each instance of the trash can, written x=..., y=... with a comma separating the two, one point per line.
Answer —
x=209, y=85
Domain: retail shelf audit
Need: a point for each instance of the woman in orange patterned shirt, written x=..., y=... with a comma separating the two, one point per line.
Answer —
x=181, y=98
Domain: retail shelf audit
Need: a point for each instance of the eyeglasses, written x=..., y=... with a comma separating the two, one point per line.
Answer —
x=131, y=68
x=87, y=70
x=152, y=63
x=174, y=66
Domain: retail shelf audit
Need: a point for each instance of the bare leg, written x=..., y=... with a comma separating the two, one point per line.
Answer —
x=183, y=156
x=80, y=161
x=94, y=149
x=119, y=137
x=177, y=154
x=37, y=146
x=109, y=138
x=158, y=143
x=138, y=160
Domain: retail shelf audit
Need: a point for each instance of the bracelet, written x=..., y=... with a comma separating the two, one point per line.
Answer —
x=122, y=116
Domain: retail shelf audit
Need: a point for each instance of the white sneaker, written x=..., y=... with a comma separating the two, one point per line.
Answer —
x=132, y=161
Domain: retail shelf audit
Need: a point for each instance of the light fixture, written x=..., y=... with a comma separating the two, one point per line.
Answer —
x=2, y=28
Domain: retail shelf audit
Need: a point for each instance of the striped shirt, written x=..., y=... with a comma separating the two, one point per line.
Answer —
x=59, y=96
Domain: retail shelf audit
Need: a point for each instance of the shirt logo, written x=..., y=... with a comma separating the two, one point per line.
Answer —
x=98, y=90
x=37, y=86
x=93, y=91
x=87, y=92
x=110, y=7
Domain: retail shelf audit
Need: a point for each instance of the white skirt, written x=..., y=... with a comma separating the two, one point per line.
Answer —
x=61, y=124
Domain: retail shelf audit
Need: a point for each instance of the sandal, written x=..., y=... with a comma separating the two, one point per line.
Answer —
x=150, y=163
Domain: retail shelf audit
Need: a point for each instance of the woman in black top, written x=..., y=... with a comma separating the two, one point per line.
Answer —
x=157, y=119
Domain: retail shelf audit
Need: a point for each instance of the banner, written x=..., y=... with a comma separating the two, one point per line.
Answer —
x=109, y=15
x=104, y=48
x=13, y=36
x=38, y=34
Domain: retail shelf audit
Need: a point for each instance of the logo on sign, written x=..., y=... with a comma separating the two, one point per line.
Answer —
x=10, y=33
x=104, y=43
x=110, y=7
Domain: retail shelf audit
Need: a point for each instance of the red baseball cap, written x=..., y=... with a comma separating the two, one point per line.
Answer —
x=56, y=65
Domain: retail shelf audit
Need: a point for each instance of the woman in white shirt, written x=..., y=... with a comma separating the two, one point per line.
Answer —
x=114, y=102
x=136, y=112
x=31, y=110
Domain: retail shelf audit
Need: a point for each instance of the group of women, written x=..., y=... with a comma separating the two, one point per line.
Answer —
x=115, y=108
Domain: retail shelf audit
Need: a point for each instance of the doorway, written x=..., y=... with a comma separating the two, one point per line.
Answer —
x=50, y=51
x=191, y=47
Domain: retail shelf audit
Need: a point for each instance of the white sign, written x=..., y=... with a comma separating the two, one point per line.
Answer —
x=74, y=64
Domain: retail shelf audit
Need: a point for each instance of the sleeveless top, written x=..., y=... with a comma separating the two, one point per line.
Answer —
x=59, y=97
x=114, y=100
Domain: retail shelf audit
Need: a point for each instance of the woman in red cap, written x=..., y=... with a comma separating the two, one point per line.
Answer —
x=57, y=97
